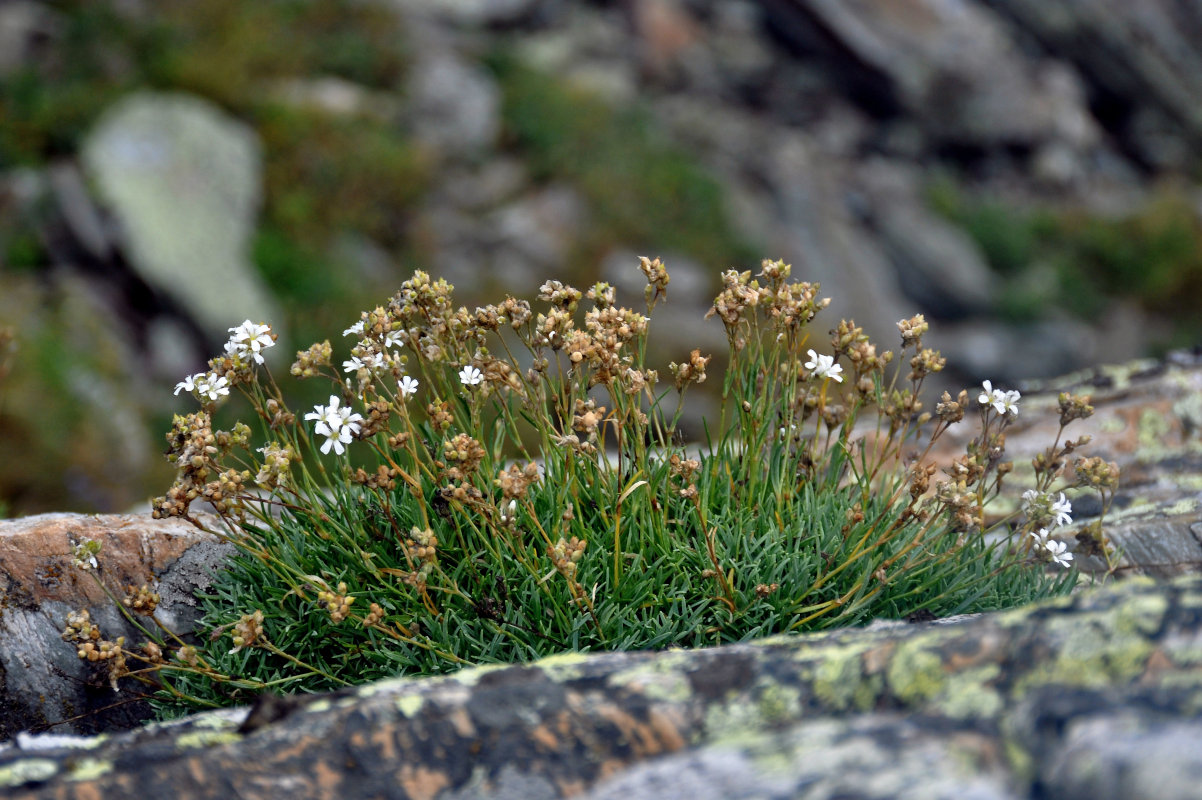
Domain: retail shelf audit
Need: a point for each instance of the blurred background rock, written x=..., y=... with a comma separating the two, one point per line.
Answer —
x=1024, y=173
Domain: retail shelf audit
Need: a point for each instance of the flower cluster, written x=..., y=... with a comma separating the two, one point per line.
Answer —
x=338, y=424
x=1003, y=402
x=1044, y=511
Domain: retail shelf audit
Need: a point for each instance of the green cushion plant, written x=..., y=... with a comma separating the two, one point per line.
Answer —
x=498, y=485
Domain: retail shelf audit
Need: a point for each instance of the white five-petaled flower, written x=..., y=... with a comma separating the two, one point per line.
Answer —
x=470, y=376
x=212, y=386
x=338, y=425
x=408, y=387
x=393, y=339
x=1057, y=550
x=356, y=329
x=1063, y=510
x=250, y=339
x=1002, y=401
x=824, y=366
x=1041, y=537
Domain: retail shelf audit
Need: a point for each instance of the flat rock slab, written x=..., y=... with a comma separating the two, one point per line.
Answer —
x=1087, y=696
x=42, y=682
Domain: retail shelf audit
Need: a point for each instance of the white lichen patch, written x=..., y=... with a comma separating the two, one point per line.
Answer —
x=54, y=741
x=27, y=770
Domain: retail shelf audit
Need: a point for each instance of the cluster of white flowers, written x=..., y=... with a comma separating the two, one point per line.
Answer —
x=204, y=385
x=1003, y=402
x=824, y=366
x=337, y=424
x=1056, y=511
x=1056, y=549
x=249, y=340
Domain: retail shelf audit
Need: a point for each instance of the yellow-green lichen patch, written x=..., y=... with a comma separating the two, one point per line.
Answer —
x=563, y=666
x=970, y=694
x=768, y=704
x=1092, y=653
x=1154, y=428
x=778, y=703
x=196, y=739
x=1142, y=614
x=26, y=770
x=87, y=769
x=839, y=680
x=410, y=704
x=662, y=680
x=915, y=672
x=1017, y=617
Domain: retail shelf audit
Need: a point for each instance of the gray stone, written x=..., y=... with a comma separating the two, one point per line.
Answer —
x=454, y=106
x=43, y=684
x=183, y=179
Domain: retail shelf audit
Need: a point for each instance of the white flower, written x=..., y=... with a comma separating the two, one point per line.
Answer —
x=1003, y=402
x=1009, y=401
x=212, y=386
x=408, y=387
x=353, y=364
x=1041, y=538
x=1062, y=509
x=986, y=397
x=470, y=376
x=1057, y=550
x=356, y=329
x=188, y=384
x=1029, y=500
x=393, y=339
x=824, y=366
x=338, y=425
x=250, y=339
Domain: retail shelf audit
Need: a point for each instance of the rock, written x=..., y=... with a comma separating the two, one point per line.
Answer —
x=25, y=29
x=1097, y=692
x=951, y=65
x=1143, y=61
x=475, y=13
x=938, y=267
x=43, y=684
x=183, y=179
x=454, y=106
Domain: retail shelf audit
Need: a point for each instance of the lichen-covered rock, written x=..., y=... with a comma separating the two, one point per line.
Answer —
x=184, y=181
x=1005, y=705
x=1148, y=420
x=43, y=684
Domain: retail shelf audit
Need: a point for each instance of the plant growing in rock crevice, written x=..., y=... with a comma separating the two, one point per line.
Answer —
x=500, y=484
